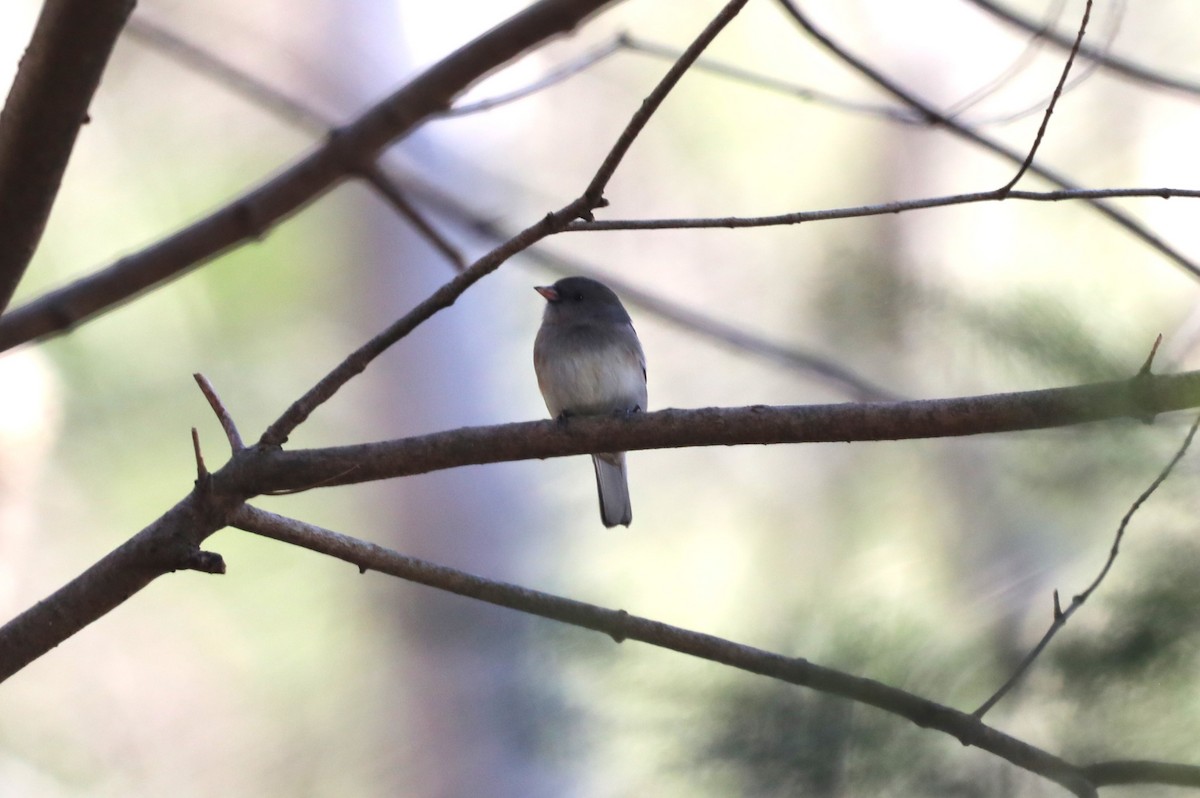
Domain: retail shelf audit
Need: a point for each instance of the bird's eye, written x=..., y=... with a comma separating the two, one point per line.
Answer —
x=578, y=297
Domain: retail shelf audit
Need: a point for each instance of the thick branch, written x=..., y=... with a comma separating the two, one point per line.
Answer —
x=169, y=544
x=253, y=214
x=46, y=106
x=269, y=470
x=1139, y=771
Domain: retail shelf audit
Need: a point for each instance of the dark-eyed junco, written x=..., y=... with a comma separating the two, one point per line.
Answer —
x=589, y=362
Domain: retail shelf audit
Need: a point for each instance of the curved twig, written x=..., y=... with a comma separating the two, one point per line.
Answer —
x=1061, y=616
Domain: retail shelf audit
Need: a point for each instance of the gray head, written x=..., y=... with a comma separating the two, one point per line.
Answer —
x=574, y=299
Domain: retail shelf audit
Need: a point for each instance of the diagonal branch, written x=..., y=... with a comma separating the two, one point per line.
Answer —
x=253, y=214
x=1062, y=616
x=1058, y=90
x=595, y=189
x=621, y=626
x=46, y=106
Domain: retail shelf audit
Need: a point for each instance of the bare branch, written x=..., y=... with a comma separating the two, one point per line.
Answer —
x=1116, y=64
x=595, y=190
x=1062, y=616
x=169, y=544
x=1138, y=397
x=46, y=106
x=223, y=416
x=621, y=625
x=882, y=209
x=1139, y=771
x=936, y=117
x=1145, y=369
x=253, y=214
x=1058, y=89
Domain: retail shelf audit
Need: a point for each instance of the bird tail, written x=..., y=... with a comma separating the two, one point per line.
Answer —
x=613, y=487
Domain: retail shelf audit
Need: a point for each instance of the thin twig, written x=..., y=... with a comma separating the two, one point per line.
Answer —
x=444, y=297
x=936, y=117
x=1061, y=616
x=222, y=413
x=595, y=190
x=201, y=469
x=1058, y=89
x=1145, y=369
x=901, y=206
x=621, y=625
x=1113, y=63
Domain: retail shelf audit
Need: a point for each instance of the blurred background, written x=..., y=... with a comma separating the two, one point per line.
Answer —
x=928, y=565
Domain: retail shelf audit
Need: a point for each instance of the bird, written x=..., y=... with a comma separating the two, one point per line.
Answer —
x=589, y=362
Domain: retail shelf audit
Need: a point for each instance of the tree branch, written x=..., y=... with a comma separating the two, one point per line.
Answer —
x=1141, y=397
x=881, y=209
x=621, y=626
x=253, y=214
x=1113, y=63
x=595, y=190
x=936, y=117
x=1058, y=89
x=169, y=544
x=1062, y=616
x=46, y=106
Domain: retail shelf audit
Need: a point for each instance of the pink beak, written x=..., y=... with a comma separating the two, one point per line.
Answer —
x=547, y=291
